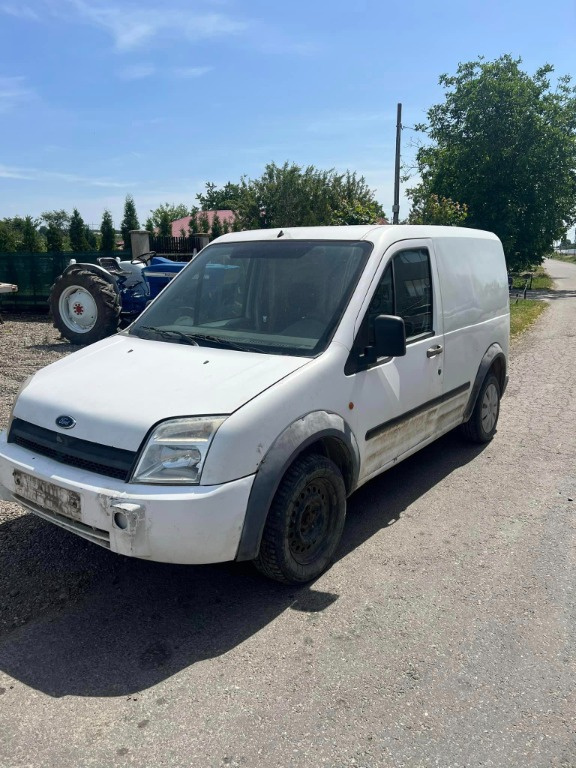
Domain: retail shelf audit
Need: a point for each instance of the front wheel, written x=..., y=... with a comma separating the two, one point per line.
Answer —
x=305, y=522
x=481, y=426
x=84, y=307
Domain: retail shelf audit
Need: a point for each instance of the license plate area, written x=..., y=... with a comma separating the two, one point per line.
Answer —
x=47, y=495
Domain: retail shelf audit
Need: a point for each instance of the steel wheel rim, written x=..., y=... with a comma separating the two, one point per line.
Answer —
x=312, y=519
x=77, y=309
x=489, y=408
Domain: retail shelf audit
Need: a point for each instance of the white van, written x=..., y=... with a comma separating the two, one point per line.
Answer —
x=277, y=373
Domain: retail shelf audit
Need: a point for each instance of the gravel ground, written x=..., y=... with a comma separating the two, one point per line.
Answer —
x=27, y=343
x=443, y=635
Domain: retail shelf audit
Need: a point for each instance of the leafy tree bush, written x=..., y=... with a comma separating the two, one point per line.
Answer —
x=107, y=233
x=438, y=210
x=224, y=199
x=55, y=230
x=77, y=233
x=164, y=223
x=167, y=212
x=216, y=229
x=202, y=223
x=91, y=238
x=54, y=238
x=504, y=144
x=294, y=196
x=8, y=237
x=129, y=222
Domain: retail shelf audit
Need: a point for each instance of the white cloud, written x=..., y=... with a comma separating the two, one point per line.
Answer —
x=35, y=174
x=13, y=92
x=20, y=12
x=137, y=71
x=191, y=72
x=133, y=26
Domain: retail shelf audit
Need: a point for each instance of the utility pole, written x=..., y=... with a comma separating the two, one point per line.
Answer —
x=396, y=206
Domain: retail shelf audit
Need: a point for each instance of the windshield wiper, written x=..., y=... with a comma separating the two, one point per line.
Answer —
x=219, y=341
x=165, y=333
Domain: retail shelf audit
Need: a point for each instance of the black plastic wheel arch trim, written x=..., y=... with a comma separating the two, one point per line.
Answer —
x=293, y=441
x=493, y=353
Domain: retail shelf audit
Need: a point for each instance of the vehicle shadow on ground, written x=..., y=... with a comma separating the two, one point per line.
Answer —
x=97, y=624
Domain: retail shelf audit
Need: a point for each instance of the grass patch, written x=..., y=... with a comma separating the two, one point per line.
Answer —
x=563, y=257
x=523, y=313
x=540, y=281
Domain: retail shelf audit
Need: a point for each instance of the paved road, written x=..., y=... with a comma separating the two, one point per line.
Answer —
x=443, y=635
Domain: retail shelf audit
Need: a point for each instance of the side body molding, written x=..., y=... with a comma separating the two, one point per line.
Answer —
x=302, y=433
x=493, y=355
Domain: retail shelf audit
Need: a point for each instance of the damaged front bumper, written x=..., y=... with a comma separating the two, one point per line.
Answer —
x=171, y=524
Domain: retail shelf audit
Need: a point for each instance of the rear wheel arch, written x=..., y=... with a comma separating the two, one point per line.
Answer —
x=493, y=361
x=317, y=433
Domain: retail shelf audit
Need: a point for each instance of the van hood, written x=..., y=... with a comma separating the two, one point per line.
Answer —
x=118, y=388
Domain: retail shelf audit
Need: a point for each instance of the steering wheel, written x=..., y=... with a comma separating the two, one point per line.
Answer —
x=144, y=258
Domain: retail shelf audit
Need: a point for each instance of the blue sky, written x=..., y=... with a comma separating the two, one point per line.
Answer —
x=100, y=98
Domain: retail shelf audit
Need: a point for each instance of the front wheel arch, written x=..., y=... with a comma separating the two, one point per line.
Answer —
x=318, y=432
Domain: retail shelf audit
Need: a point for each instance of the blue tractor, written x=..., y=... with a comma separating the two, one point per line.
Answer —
x=91, y=301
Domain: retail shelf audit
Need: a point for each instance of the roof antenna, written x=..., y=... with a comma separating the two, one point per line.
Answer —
x=281, y=233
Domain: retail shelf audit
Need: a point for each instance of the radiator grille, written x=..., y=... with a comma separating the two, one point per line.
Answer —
x=101, y=459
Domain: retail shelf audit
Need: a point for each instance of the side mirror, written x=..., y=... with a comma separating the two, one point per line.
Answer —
x=389, y=336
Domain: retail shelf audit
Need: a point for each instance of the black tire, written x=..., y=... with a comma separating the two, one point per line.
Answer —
x=104, y=307
x=481, y=426
x=305, y=522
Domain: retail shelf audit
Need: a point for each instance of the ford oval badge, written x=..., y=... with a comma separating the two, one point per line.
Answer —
x=65, y=422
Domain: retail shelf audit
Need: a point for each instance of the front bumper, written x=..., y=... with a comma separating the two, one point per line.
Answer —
x=170, y=524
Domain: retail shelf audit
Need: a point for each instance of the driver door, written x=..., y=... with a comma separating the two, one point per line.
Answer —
x=396, y=399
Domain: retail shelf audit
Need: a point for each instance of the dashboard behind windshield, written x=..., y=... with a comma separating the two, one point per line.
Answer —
x=279, y=297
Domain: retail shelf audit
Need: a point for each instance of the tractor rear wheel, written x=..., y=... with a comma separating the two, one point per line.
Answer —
x=84, y=307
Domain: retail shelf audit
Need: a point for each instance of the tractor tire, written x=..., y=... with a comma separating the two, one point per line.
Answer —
x=84, y=307
x=305, y=522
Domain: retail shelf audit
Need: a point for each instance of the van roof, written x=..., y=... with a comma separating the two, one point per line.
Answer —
x=370, y=232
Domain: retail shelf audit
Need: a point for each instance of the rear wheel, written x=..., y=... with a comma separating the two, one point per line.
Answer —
x=85, y=308
x=305, y=522
x=481, y=426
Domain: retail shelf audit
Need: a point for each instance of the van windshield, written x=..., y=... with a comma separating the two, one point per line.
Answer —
x=279, y=297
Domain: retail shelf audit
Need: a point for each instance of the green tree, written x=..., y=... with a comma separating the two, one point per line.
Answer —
x=107, y=233
x=77, y=233
x=54, y=238
x=216, y=228
x=55, y=230
x=504, y=144
x=91, y=238
x=129, y=222
x=8, y=237
x=224, y=199
x=168, y=212
x=164, y=223
x=202, y=223
x=149, y=226
x=439, y=211
x=31, y=241
x=289, y=195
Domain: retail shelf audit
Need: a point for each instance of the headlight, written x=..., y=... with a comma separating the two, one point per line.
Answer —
x=176, y=451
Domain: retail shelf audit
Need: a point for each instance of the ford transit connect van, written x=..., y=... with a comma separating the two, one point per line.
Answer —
x=277, y=373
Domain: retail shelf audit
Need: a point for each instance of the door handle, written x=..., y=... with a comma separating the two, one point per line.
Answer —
x=437, y=349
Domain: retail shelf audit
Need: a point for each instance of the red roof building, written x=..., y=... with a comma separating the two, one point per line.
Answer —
x=184, y=223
